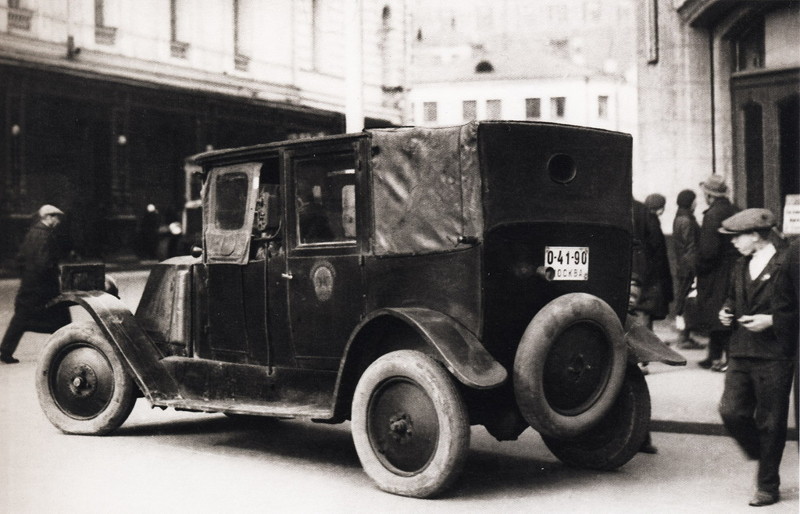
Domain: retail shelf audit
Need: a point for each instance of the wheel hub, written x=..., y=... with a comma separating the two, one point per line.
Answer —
x=401, y=428
x=84, y=382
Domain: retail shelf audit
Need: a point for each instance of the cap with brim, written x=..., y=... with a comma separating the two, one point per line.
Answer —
x=46, y=210
x=714, y=186
x=748, y=220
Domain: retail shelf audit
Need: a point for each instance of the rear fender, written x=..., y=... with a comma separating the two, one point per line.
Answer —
x=139, y=352
x=448, y=341
x=645, y=346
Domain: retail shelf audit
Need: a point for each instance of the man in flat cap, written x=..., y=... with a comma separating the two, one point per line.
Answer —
x=38, y=260
x=715, y=258
x=755, y=402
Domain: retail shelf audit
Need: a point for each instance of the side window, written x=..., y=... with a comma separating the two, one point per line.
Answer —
x=325, y=195
x=232, y=191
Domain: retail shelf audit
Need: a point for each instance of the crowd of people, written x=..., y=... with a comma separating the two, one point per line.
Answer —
x=736, y=282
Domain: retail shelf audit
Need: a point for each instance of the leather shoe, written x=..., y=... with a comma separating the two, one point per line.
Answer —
x=720, y=366
x=7, y=359
x=705, y=363
x=763, y=498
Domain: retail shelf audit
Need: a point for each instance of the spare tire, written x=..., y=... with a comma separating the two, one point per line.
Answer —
x=570, y=365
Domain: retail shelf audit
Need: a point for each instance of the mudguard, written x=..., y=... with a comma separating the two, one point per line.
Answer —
x=138, y=351
x=645, y=346
x=456, y=347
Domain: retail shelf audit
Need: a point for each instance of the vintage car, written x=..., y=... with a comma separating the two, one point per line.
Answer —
x=415, y=281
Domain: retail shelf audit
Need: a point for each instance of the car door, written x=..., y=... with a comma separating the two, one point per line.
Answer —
x=234, y=283
x=326, y=237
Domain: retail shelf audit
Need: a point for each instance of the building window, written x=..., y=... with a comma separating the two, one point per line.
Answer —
x=602, y=107
x=494, y=109
x=103, y=34
x=558, y=106
x=484, y=67
x=533, y=108
x=18, y=16
x=429, y=111
x=241, y=56
x=469, y=110
x=177, y=29
x=748, y=47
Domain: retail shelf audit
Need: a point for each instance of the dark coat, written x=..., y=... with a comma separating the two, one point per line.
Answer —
x=747, y=297
x=685, y=238
x=651, y=265
x=786, y=297
x=715, y=258
x=38, y=261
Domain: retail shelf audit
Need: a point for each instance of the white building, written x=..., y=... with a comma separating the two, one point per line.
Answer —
x=518, y=82
x=101, y=100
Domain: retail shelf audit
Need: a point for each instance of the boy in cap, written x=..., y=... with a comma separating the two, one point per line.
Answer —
x=755, y=403
x=38, y=258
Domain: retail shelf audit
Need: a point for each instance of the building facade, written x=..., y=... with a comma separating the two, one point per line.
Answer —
x=102, y=100
x=719, y=83
x=520, y=81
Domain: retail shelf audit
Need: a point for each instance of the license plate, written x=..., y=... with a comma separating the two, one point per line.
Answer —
x=567, y=262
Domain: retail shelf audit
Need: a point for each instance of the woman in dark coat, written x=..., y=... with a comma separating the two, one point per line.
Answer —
x=657, y=282
x=685, y=236
x=715, y=259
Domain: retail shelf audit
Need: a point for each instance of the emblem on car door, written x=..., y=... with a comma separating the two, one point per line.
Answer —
x=322, y=276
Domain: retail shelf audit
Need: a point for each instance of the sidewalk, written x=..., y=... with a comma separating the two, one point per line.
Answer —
x=685, y=398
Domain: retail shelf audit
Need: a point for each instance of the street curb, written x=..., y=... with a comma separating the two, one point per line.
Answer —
x=691, y=427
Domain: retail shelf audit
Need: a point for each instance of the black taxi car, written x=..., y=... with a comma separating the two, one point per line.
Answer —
x=415, y=281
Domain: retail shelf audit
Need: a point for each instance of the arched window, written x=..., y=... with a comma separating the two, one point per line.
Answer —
x=484, y=67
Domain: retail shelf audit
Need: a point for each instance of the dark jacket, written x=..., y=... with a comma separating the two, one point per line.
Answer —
x=650, y=263
x=715, y=258
x=747, y=297
x=685, y=237
x=786, y=297
x=38, y=262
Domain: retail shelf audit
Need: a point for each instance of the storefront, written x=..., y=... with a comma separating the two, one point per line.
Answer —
x=102, y=150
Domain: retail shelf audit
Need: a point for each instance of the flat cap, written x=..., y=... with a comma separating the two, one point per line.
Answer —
x=47, y=209
x=747, y=221
x=714, y=186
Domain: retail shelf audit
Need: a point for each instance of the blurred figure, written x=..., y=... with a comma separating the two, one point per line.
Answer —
x=755, y=402
x=685, y=236
x=715, y=258
x=38, y=259
x=148, y=232
x=657, y=282
x=169, y=235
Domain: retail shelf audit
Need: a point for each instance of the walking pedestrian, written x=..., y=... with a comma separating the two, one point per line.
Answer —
x=685, y=236
x=657, y=283
x=755, y=403
x=715, y=259
x=38, y=260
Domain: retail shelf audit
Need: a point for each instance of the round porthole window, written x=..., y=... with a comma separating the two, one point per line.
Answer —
x=562, y=168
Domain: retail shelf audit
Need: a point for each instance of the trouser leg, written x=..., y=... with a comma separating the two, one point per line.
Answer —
x=717, y=344
x=737, y=408
x=14, y=332
x=773, y=382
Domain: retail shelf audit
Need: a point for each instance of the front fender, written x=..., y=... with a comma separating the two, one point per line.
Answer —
x=645, y=346
x=456, y=347
x=138, y=350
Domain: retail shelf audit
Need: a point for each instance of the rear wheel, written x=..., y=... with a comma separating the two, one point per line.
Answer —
x=409, y=424
x=618, y=436
x=81, y=382
x=569, y=365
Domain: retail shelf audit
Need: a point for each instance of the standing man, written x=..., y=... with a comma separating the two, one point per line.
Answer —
x=38, y=259
x=755, y=403
x=657, y=283
x=685, y=236
x=715, y=258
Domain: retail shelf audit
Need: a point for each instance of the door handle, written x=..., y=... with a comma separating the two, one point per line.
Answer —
x=287, y=276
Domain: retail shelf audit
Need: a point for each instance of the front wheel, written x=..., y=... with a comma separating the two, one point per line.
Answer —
x=409, y=424
x=81, y=382
x=618, y=436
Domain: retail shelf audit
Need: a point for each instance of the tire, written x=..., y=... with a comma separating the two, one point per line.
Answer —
x=409, y=424
x=569, y=365
x=618, y=436
x=81, y=382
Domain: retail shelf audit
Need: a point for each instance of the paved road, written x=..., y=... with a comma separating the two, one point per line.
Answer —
x=167, y=461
